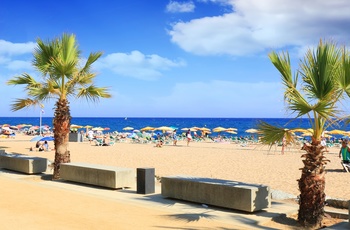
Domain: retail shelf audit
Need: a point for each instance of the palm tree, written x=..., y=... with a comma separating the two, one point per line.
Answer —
x=324, y=83
x=58, y=61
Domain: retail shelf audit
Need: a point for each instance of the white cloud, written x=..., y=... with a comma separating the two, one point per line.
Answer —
x=137, y=64
x=255, y=26
x=180, y=7
x=12, y=49
x=19, y=65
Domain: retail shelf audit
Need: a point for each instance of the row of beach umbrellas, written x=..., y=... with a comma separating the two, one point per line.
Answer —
x=169, y=129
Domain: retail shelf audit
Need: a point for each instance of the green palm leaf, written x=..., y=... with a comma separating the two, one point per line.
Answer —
x=93, y=93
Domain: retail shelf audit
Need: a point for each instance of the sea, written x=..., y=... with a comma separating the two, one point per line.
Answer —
x=118, y=123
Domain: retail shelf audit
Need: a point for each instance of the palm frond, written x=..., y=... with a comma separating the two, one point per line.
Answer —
x=270, y=134
x=49, y=90
x=296, y=102
x=344, y=76
x=43, y=54
x=93, y=93
x=69, y=48
x=93, y=57
x=282, y=63
x=23, y=103
x=24, y=79
x=320, y=69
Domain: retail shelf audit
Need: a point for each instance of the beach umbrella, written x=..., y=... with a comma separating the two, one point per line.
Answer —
x=204, y=129
x=219, y=129
x=87, y=127
x=136, y=131
x=98, y=129
x=337, y=132
x=14, y=127
x=36, y=138
x=231, y=129
x=128, y=128
x=164, y=128
x=251, y=131
x=299, y=130
x=306, y=134
x=185, y=129
x=47, y=139
x=76, y=126
x=148, y=128
x=107, y=128
x=23, y=125
x=232, y=132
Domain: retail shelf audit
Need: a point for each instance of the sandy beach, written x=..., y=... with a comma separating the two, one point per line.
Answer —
x=251, y=164
x=35, y=202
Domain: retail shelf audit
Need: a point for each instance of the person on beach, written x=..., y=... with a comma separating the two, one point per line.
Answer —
x=284, y=143
x=189, y=137
x=344, y=152
x=46, y=146
x=159, y=143
x=106, y=141
x=174, y=137
x=324, y=143
x=37, y=145
x=91, y=135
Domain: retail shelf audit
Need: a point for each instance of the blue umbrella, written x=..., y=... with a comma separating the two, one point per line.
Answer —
x=47, y=139
x=37, y=138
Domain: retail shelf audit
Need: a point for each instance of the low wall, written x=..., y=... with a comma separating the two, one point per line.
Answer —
x=221, y=193
x=23, y=163
x=99, y=175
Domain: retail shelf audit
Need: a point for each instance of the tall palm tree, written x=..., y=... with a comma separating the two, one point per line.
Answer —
x=315, y=91
x=58, y=61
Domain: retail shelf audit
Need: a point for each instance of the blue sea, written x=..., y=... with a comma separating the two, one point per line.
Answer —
x=118, y=123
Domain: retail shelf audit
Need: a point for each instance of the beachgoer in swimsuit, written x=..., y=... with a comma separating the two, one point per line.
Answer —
x=344, y=152
x=174, y=137
x=189, y=137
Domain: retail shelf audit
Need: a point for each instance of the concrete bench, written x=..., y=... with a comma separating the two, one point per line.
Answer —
x=221, y=193
x=99, y=175
x=23, y=163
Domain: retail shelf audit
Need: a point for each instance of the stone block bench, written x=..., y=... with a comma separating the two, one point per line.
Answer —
x=23, y=163
x=216, y=192
x=99, y=175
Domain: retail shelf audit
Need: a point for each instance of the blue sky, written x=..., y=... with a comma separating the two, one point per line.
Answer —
x=199, y=58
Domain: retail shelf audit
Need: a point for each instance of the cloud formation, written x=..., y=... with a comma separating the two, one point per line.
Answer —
x=180, y=7
x=254, y=26
x=13, y=49
x=10, y=51
x=137, y=64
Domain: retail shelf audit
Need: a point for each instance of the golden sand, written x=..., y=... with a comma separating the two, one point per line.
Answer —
x=250, y=164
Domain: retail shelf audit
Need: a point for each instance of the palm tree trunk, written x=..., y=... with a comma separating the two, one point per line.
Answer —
x=61, y=123
x=312, y=186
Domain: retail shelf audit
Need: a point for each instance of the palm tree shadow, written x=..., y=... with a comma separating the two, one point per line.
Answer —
x=285, y=220
x=335, y=170
x=190, y=217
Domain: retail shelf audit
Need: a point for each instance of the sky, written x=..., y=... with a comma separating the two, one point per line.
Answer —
x=199, y=58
